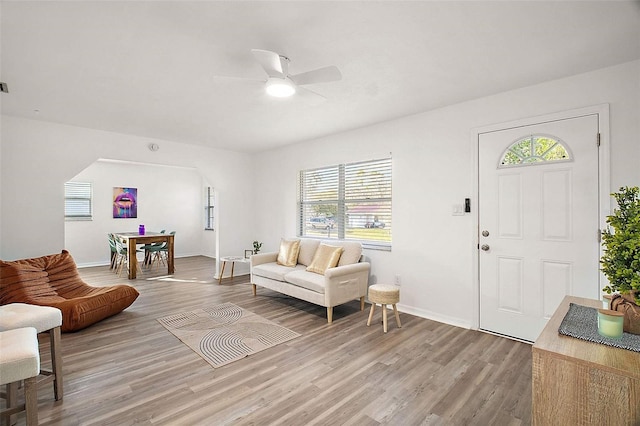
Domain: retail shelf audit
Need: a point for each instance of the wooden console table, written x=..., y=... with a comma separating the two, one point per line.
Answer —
x=576, y=382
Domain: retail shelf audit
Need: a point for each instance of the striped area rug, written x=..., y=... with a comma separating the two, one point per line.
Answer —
x=224, y=333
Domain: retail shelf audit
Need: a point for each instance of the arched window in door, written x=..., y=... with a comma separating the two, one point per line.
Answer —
x=534, y=149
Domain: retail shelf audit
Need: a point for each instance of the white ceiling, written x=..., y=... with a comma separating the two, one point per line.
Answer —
x=148, y=68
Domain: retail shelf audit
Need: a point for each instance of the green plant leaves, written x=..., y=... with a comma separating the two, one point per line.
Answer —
x=621, y=240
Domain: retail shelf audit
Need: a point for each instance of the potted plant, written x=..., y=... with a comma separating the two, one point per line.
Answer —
x=621, y=259
x=256, y=246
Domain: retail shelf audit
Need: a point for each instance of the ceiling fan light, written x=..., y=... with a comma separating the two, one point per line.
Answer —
x=280, y=88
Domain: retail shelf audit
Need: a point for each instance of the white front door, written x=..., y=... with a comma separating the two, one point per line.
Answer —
x=538, y=222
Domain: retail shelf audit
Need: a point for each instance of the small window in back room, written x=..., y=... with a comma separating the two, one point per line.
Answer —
x=209, y=202
x=78, y=201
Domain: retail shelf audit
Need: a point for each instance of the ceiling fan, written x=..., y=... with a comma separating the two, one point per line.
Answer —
x=281, y=84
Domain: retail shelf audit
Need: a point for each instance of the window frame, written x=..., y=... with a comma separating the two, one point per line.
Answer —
x=80, y=189
x=348, y=192
x=524, y=160
x=209, y=209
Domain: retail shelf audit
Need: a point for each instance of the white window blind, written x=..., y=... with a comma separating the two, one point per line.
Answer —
x=347, y=201
x=78, y=201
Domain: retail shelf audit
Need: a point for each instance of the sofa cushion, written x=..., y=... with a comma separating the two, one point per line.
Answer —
x=326, y=257
x=308, y=248
x=288, y=254
x=309, y=280
x=352, y=251
x=21, y=280
x=273, y=271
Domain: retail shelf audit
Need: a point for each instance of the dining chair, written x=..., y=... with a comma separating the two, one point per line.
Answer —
x=123, y=256
x=112, y=246
x=148, y=250
x=160, y=253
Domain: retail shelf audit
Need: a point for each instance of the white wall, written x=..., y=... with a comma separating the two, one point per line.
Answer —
x=433, y=251
x=39, y=157
x=169, y=198
x=433, y=169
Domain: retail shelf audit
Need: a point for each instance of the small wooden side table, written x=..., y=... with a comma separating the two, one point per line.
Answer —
x=233, y=260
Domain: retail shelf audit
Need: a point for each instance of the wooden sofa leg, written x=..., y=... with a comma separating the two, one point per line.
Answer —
x=254, y=289
x=362, y=303
x=329, y=314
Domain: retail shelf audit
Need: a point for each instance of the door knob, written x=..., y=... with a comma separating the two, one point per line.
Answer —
x=485, y=233
x=485, y=247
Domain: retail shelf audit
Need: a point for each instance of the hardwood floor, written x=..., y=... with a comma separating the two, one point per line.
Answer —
x=128, y=369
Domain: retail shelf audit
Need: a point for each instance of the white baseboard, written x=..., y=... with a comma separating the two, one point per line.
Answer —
x=434, y=316
x=91, y=265
x=106, y=263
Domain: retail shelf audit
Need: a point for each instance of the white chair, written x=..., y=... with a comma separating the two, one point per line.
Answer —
x=20, y=362
x=122, y=257
x=112, y=247
x=42, y=319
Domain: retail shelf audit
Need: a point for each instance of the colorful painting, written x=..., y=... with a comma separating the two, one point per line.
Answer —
x=125, y=203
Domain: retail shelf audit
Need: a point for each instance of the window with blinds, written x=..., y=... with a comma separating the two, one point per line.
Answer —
x=347, y=201
x=78, y=201
x=209, y=202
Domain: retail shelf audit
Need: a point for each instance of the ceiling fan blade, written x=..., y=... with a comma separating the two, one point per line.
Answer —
x=284, y=65
x=321, y=75
x=309, y=94
x=270, y=62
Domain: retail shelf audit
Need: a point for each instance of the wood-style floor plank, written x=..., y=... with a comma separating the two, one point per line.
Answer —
x=129, y=369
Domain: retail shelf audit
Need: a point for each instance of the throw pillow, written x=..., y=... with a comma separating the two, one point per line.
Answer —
x=351, y=254
x=326, y=257
x=288, y=253
x=307, y=250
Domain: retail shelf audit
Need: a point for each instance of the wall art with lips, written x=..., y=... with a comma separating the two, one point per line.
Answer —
x=125, y=203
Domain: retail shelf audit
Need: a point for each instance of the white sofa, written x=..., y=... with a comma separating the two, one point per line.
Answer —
x=345, y=282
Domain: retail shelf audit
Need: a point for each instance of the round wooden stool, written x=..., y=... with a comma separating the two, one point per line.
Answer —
x=384, y=295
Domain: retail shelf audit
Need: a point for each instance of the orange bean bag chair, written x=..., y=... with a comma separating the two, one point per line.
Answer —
x=53, y=280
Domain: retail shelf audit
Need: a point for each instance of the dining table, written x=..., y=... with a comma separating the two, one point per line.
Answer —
x=133, y=239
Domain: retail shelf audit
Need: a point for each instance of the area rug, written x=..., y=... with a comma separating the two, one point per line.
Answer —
x=224, y=333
